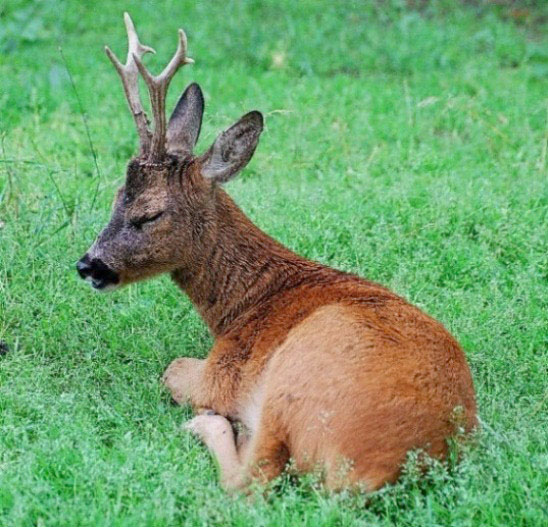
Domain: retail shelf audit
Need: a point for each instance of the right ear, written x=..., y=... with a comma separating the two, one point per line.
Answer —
x=185, y=122
x=233, y=149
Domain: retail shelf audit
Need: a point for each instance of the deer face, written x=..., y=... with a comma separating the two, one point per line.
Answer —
x=158, y=218
x=164, y=214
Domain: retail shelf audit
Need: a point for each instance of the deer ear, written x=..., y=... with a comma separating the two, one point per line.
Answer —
x=185, y=121
x=233, y=149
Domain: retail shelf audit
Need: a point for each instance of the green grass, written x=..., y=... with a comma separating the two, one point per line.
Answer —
x=408, y=145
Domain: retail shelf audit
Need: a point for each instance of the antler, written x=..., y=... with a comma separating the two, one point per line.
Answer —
x=157, y=89
x=129, y=74
x=151, y=144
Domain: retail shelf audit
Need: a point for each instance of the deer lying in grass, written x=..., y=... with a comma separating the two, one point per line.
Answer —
x=319, y=366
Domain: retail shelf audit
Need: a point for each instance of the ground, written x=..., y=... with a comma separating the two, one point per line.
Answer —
x=404, y=141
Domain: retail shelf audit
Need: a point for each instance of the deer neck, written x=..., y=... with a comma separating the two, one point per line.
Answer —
x=240, y=268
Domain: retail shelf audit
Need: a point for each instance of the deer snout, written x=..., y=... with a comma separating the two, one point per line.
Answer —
x=97, y=272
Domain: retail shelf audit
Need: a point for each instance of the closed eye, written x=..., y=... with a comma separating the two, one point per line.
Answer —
x=139, y=222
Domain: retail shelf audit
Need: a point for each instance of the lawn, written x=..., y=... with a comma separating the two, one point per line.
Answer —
x=404, y=142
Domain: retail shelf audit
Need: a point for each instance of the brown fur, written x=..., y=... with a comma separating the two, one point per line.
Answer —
x=349, y=376
x=318, y=365
x=349, y=371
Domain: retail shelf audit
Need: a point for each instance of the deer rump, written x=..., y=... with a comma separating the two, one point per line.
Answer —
x=319, y=366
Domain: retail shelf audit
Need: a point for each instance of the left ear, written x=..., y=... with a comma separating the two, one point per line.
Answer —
x=185, y=121
x=233, y=149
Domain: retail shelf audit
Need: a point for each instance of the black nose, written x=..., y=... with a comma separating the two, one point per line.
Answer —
x=97, y=272
x=83, y=266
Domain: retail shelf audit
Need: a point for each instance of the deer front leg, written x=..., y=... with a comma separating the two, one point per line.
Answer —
x=183, y=378
x=261, y=459
x=210, y=384
x=217, y=433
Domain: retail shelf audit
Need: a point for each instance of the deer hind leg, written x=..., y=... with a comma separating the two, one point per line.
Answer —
x=261, y=458
x=183, y=378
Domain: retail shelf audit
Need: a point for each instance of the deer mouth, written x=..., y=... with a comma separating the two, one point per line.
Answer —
x=102, y=285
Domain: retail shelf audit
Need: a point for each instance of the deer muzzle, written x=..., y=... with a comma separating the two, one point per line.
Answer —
x=97, y=273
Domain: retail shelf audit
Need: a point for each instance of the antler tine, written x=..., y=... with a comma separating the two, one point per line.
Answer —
x=157, y=87
x=130, y=80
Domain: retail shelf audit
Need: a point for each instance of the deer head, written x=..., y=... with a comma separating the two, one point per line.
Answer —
x=164, y=215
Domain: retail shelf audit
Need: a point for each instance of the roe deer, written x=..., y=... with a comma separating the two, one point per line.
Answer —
x=317, y=365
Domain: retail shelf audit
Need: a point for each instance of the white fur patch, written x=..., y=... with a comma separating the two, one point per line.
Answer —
x=250, y=411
